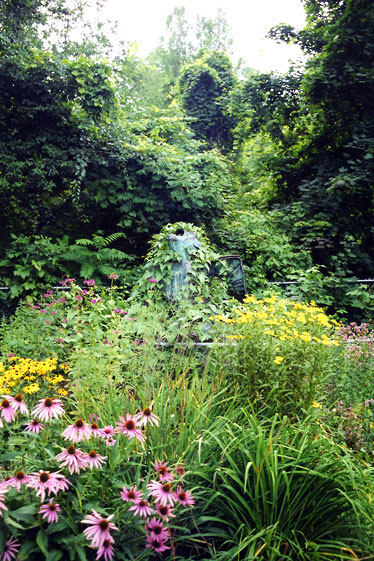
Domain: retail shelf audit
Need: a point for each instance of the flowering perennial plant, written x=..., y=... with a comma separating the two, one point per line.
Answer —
x=152, y=505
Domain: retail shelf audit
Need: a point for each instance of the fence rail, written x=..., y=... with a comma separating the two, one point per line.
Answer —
x=8, y=306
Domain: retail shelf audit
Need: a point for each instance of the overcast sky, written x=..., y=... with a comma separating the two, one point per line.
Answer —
x=143, y=22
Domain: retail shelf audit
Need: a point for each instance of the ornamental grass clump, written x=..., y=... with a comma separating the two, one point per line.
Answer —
x=280, y=351
x=282, y=491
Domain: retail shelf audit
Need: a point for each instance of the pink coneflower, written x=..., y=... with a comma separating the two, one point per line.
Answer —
x=156, y=544
x=95, y=460
x=110, y=441
x=131, y=494
x=156, y=529
x=44, y=481
x=184, y=497
x=179, y=470
x=165, y=511
x=19, y=479
x=2, y=504
x=99, y=528
x=107, y=550
x=163, y=471
x=4, y=484
x=10, y=549
x=107, y=431
x=94, y=430
x=7, y=411
x=74, y=458
x=18, y=403
x=48, y=408
x=50, y=511
x=77, y=431
x=162, y=492
x=34, y=426
x=146, y=416
x=128, y=426
x=142, y=508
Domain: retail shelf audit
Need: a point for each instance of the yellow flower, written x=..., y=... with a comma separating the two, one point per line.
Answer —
x=278, y=359
x=316, y=405
x=63, y=392
x=32, y=388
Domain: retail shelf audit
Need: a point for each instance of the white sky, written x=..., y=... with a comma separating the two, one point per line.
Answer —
x=144, y=21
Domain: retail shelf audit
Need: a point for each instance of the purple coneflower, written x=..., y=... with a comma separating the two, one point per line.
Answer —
x=7, y=411
x=184, y=497
x=77, y=431
x=142, y=508
x=157, y=544
x=19, y=479
x=128, y=426
x=10, y=549
x=179, y=470
x=156, y=529
x=107, y=550
x=146, y=416
x=18, y=403
x=163, y=471
x=50, y=511
x=48, y=408
x=162, y=492
x=165, y=511
x=107, y=431
x=131, y=494
x=95, y=460
x=94, y=430
x=44, y=481
x=34, y=426
x=110, y=441
x=74, y=458
x=2, y=504
x=99, y=528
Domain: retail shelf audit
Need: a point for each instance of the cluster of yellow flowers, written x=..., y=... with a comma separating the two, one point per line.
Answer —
x=28, y=376
x=285, y=320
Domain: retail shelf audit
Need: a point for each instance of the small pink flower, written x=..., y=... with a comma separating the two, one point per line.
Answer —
x=94, y=430
x=110, y=441
x=119, y=311
x=95, y=460
x=7, y=411
x=89, y=282
x=74, y=458
x=163, y=471
x=128, y=426
x=107, y=431
x=156, y=544
x=11, y=549
x=131, y=494
x=48, y=408
x=2, y=504
x=77, y=431
x=165, y=511
x=34, y=426
x=146, y=416
x=44, y=481
x=99, y=528
x=107, y=550
x=113, y=276
x=162, y=492
x=184, y=497
x=151, y=280
x=18, y=403
x=156, y=529
x=142, y=508
x=19, y=479
x=50, y=511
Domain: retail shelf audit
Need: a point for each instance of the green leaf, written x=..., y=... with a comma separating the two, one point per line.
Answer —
x=42, y=541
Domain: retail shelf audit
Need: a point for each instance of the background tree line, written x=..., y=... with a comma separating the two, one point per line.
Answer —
x=99, y=151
